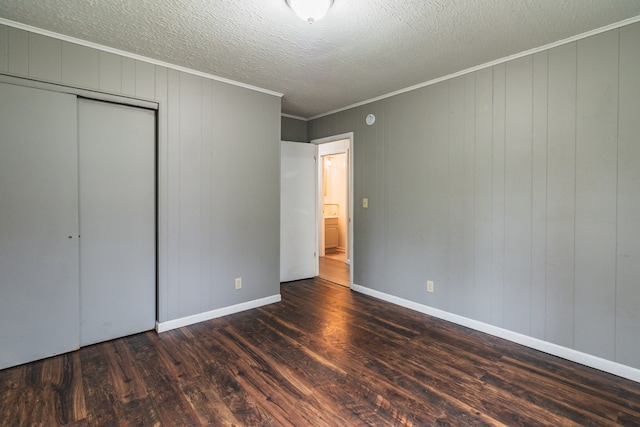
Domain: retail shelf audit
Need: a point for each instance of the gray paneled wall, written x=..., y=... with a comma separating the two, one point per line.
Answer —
x=218, y=179
x=516, y=189
x=293, y=130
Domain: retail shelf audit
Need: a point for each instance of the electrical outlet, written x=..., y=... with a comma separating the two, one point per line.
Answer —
x=365, y=203
x=238, y=282
x=429, y=286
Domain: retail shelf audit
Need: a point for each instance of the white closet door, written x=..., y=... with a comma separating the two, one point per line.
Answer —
x=39, y=293
x=298, y=258
x=117, y=220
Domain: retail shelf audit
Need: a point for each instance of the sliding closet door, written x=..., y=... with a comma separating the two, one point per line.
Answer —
x=39, y=293
x=117, y=220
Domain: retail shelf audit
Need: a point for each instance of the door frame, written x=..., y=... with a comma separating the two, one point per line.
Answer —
x=82, y=93
x=349, y=151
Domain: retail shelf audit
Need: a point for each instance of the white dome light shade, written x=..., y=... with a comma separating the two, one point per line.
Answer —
x=310, y=10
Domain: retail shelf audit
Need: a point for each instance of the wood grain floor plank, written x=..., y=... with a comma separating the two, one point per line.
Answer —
x=217, y=388
x=100, y=395
x=563, y=380
x=124, y=376
x=287, y=398
x=334, y=270
x=68, y=390
x=13, y=390
x=555, y=395
x=207, y=404
x=140, y=412
x=172, y=406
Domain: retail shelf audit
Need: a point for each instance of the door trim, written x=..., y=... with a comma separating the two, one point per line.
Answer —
x=84, y=93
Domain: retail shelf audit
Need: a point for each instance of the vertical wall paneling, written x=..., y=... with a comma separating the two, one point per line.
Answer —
x=518, y=160
x=243, y=232
x=4, y=49
x=498, y=205
x=406, y=193
x=406, y=187
x=436, y=170
x=483, y=194
x=268, y=141
x=173, y=291
x=539, y=196
x=596, y=163
x=162, y=86
x=367, y=183
x=110, y=72
x=45, y=58
x=206, y=243
x=561, y=141
x=457, y=195
x=315, y=127
x=128, y=76
x=391, y=158
x=80, y=66
x=628, y=253
x=254, y=185
x=386, y=150
x=293, y=129
x=425, y=186
x=190, y=200
x=145, y=80
x=18, y=51
x=425, y=190
x=469, y=202
x=379, y=193
x=220, y=245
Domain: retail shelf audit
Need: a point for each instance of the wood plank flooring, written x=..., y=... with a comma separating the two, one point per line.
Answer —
x=324, y=356
x=334, y=269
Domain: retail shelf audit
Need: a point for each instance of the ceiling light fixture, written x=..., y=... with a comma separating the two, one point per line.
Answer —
x=310, y=10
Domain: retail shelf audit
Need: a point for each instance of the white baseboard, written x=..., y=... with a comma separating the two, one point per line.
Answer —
x=535, y=343
x=208, y=315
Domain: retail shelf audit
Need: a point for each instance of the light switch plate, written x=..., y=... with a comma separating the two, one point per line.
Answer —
x=429, y=286
x=365, y=203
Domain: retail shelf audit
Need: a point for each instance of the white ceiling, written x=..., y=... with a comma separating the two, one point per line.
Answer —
x=361, y=50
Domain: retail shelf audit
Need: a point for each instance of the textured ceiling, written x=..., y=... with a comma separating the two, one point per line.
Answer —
x=362, y=49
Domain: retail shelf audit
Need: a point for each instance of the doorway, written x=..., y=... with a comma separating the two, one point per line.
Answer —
x=334, y=209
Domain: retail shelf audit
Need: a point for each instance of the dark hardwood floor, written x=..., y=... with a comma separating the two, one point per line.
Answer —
x=323, y=356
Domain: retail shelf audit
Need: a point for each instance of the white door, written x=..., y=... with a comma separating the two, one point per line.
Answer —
x=39, y=288
x=117, y=220
x=298, y=258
